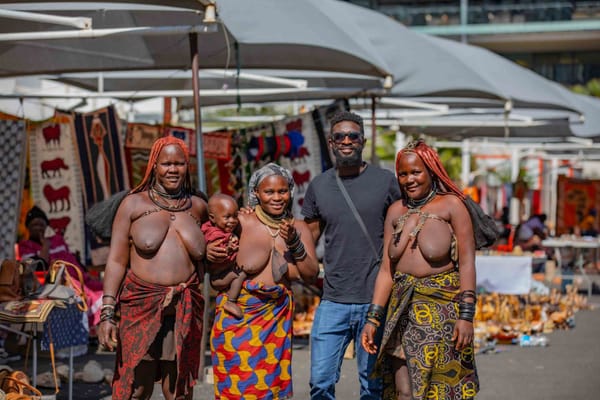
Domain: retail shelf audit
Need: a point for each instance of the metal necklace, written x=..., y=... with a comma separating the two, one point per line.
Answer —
x=183, y=203
x=411, y=203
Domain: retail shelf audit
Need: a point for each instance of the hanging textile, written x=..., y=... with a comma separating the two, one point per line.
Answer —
x=303, y=154
x=100, y=151
x=138, y=142
x=12, y=171
x=55, y=178
x=188, y=136
x=321, y=117
x=102, y=163
x=218, y=165
x=575, y=199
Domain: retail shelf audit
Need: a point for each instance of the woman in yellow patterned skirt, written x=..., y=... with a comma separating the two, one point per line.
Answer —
x=427, y=346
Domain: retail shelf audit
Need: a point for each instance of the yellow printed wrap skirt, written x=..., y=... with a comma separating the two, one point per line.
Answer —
x=420, y=322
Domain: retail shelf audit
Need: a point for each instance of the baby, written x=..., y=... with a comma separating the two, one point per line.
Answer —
x=221, y=227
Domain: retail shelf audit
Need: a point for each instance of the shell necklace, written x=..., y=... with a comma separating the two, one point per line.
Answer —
x=279, y=265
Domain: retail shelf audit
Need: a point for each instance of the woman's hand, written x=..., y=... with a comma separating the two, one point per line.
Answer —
x=288, y=232
x=107, y=334
x=367, y=339
x=463, y=334
x=216, y=252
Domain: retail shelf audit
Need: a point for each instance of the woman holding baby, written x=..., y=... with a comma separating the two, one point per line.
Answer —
x=251, y=356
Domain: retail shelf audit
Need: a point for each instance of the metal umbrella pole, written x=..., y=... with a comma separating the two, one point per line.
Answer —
x=373, y=131
x=193, y=37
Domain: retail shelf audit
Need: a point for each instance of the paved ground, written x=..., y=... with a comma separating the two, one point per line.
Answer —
x=569, y=368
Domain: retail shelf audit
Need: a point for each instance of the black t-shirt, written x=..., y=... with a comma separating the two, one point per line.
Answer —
x=350, y=265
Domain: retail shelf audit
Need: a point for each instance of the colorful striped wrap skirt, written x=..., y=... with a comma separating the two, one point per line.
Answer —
x=419, y=325
x=252, y=356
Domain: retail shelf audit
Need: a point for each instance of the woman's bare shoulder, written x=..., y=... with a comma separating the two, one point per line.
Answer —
x=454, y=203
x=131, y=202
x=198, y=203
x=396, y=210
x=247, y=218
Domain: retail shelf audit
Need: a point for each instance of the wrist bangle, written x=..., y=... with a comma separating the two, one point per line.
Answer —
x=373, y=322
x=466, y=311
x=376, y=312
x=467, y=294
x=295, y=241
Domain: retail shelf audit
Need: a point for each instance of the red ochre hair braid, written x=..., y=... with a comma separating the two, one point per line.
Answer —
x=433, y=163
x=157, y=147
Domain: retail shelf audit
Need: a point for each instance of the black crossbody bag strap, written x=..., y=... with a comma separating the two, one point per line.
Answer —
x=357, y=216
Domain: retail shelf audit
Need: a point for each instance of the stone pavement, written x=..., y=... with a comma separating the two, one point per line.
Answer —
x=569, y=368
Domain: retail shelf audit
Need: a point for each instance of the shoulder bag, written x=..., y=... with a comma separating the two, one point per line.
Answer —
x=357, y=217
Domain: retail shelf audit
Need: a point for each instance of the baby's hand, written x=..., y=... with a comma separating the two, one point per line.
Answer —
x=233, y=245
x=247, y=210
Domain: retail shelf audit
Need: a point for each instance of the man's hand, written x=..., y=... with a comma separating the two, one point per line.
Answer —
x=367, y=339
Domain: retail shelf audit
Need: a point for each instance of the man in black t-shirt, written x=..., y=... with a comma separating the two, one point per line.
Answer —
x=351, y=259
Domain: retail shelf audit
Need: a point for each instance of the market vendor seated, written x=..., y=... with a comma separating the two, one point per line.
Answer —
x=54, y=247
x=529, y=237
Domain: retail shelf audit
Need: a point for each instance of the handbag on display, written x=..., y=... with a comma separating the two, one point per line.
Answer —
x=17, y=279
x=59, y=285
x=16, y=386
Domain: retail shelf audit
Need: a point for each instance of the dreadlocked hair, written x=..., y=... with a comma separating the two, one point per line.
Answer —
x=432, y=161
x=157, y=147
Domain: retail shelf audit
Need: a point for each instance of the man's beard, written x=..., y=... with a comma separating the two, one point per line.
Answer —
x=352, y=160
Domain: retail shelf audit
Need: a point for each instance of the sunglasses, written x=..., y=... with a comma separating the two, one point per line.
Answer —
x=339, y=137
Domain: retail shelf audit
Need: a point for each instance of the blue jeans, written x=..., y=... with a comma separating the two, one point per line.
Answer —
x=335, y=324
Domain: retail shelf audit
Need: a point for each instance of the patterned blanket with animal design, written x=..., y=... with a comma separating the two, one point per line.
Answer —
x=100, y=150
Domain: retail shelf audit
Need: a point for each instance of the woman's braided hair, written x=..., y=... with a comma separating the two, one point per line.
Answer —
x=432, y=161
x=159, y=144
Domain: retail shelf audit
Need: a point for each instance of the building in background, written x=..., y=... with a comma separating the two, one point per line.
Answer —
x=557, y=39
